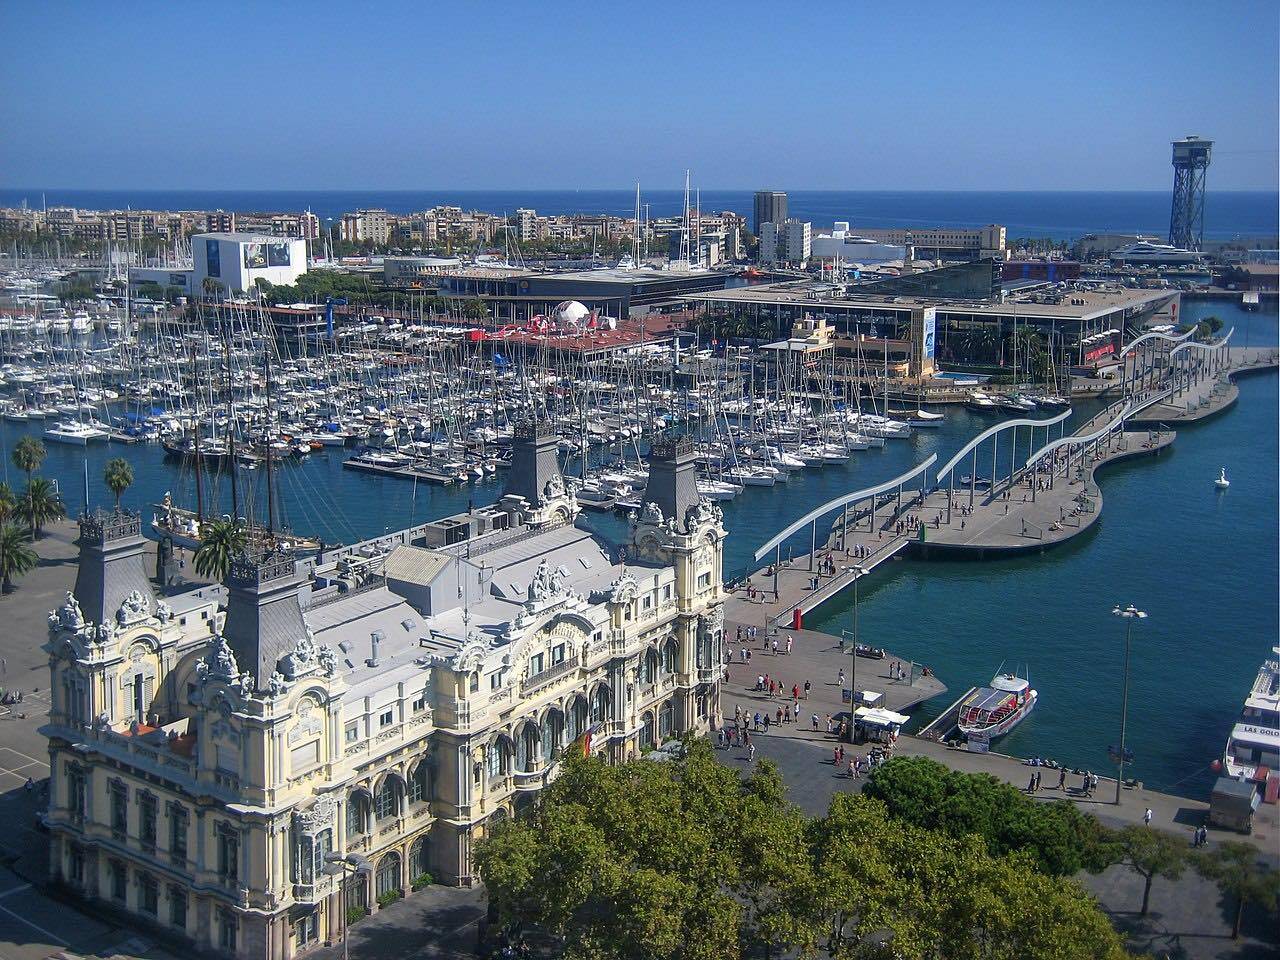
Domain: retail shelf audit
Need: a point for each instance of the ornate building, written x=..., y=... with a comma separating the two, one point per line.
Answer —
x=215, y=752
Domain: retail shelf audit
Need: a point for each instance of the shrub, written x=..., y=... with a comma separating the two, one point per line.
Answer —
x=355, y=914
x=420, y=881
x=390, y=897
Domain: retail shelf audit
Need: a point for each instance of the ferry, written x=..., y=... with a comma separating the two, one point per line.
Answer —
x=990, y=712
x=1254, y=742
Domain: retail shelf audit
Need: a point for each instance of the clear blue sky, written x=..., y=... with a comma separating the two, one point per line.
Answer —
x=918, y=95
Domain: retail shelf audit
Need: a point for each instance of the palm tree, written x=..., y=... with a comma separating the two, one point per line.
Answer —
x=220, y=542
x=8, y=502
x=16, y=558
x=40, y=505
x=118, y=477
x=28, y=454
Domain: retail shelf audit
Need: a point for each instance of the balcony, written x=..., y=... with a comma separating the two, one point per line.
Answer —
x=548, y=676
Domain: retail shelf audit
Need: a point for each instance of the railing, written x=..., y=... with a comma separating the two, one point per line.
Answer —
x=551, y=673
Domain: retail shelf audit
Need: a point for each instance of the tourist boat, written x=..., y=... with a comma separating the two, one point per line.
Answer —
x=993, y=711
x=1255, y=739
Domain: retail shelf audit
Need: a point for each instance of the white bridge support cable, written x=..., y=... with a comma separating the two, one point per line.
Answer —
x=857, y=496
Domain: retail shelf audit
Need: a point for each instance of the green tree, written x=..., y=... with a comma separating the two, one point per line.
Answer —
x=16, y=558
x=118, y=476
x=28, y=454
x=923, y=792
x=8, y=502
x=220, y=542
x=1239, y=869
x=41, y=505
x=1150, y=854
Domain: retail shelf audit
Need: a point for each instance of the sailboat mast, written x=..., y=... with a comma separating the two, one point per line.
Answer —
x=231, y=428
x=271, y=500
x=195, y=437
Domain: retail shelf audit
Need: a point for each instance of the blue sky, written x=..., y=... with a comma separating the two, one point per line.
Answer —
x=913, y=96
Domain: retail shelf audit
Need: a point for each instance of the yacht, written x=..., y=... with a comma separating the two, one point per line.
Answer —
x=1144, y=251
x=1255, y=738
x=74, y=432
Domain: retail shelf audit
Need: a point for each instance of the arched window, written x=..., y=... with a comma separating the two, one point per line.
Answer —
x=651, y=667
x=666, y=719
x=601, y=705
x=576, y=722
x=419, y=858
x=420, y=783
x=552, y=732
x=670, y=656
x=527, y=748
x=646, y=732
x=384, y=804
x=499, y=758
x=356, y=818
x=388, y=875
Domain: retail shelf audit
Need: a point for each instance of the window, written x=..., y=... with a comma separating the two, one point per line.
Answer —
x=75, y=864
x=119, y=879
x=647, y=602
x=227, y=928
x=178, y=833
x=535, y=664
x=228, y=854
x=75, y=791
x=384, y=804
x=670, y=656
x=387, y=877
x=306, y=930
x=147, y=815
x=666, y=592
x=557, y=653
x=352, y=733
x=495, y=680
x=305, y=757
x=355, y=815
x=704, y=580
x=177, y=906
x=420, y=704
x=119, y=809
x=149, y=894
x=499, y=758
x=386, y=718
x=419, y=784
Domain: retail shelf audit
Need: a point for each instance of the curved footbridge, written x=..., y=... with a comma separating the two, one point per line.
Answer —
x=1039, y=490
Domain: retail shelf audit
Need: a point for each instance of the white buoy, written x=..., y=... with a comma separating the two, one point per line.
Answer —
x=1222, y=482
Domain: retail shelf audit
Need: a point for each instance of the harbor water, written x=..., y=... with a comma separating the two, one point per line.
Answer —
x=1203, y=564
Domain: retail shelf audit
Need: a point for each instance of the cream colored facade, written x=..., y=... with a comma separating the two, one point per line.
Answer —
x=209, y=749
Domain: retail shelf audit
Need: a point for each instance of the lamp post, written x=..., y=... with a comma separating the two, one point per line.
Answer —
x=1130, y=613
x=358, y=865
x=858, y=573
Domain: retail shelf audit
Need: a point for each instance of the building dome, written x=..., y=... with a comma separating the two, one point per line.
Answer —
x=571, y=313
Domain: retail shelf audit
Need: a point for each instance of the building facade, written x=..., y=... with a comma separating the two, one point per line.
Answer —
x=234, y=262
x=768, y=206
x=214, y=752
x=786, y=242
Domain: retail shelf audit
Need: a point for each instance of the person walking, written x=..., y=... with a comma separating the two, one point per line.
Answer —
x=806, y=689
x=751, y=752
x=1062, y=779
x=790, y=641
x=1146, y=817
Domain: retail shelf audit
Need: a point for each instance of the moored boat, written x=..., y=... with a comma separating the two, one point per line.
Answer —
x=992, y=711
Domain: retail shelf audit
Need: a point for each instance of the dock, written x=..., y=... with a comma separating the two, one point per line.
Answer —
x=407, y=472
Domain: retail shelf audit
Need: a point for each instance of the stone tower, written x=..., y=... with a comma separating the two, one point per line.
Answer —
x=112, y=564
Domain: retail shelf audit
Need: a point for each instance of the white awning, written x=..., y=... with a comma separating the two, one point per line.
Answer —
x=880, y=717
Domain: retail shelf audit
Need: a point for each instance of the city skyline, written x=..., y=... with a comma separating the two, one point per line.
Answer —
x=243, y=98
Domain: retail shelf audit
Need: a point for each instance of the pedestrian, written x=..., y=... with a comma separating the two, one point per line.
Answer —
x=835, y=756
x=840, y=679
x=1031, y=783
x=829, y=724
x=1062, y=779
x=4, y=665
x=775, y=646
x=852, y=766
x=739, y=633
x=30, y=785
x=795, y=691
x=766, y=722
x=1146, y=817
x=1093, y=783
x=814, y=718
x=751, y=752
x=790, y=641
x=806, y=689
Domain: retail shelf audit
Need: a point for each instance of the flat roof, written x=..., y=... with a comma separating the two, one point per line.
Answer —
x=1090, y=303
x=247, y=237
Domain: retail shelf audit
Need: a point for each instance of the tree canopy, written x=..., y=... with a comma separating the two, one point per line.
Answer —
x=689, y=860
x=1061, y=839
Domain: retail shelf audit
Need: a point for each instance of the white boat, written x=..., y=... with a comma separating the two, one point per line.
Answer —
x=990, y=712
x=79, y=434
x=1222, y=482
x=1255, y=739
x=982, y=403
x=925, y=418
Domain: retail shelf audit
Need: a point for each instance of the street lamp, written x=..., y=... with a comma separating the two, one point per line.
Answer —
x=858, y=573
x=1130, y=613
x=340, y=863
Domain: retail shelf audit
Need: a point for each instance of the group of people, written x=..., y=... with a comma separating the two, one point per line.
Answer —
x=908, y=524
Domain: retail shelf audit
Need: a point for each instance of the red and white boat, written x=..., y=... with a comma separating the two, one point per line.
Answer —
x=990, y=712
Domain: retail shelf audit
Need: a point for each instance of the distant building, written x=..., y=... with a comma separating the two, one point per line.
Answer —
x=770, y=207
x=235, y=261
x=219, y=221
x=373, y=225
x=851, y=248
x=527, y=224
x=788, y=242
x=943, y=243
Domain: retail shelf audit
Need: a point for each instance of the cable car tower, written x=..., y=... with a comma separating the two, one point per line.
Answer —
x=1186, y=221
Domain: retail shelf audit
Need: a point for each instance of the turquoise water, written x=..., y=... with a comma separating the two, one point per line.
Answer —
x=1202, y=564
